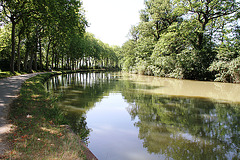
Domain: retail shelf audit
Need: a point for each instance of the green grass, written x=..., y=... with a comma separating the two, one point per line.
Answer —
x=39, y=130
x=4, y=74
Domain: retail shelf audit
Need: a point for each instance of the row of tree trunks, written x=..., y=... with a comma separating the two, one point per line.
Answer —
x=33, y=59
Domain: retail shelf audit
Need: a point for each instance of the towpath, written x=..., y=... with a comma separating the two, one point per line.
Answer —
x=9, y=90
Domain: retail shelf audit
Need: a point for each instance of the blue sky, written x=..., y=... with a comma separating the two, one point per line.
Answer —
x=111, y=20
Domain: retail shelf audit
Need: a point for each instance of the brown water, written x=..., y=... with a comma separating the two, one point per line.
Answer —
x=124, y=116
x=188, y=88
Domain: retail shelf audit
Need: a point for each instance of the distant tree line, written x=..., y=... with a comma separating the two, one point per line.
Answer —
x=44, y=34
x=190, y=39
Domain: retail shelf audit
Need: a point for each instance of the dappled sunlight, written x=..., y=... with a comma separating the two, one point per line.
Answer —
x=35, y=96
x=50, y=130
x=5, y=128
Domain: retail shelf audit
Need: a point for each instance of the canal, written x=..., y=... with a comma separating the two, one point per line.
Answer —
x=123, y=116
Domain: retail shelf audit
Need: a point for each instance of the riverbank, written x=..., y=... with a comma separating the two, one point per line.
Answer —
x=39, y=129
x=9, y=88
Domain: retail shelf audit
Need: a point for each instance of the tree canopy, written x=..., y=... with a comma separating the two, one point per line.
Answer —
x=186, y=39
x=37, y=35
x=190, y=39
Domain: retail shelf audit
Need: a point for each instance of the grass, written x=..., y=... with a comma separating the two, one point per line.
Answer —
x=4, y=74
x=39, y=130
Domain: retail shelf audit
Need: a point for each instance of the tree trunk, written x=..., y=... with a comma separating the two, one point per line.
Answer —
x=52, y=59
x=35, y=51
x=62, y=61
x=26, y=55
x=13, y=46
x=48, y=49
x=86, y=62
x=57, y=61
x=40, y=54
x=102, y=63
x=80, y=64
x=35, y=60
x=26, y=60
x=67, y=65
x=31, y=61
x=18, y=53
x=201, y=34
x=73, y=64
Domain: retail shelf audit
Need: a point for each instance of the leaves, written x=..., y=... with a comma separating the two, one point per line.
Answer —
x=182, y=39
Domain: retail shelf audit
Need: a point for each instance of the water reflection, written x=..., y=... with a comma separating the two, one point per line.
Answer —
x=186, y=128
x=79, y=93
x=174, y=127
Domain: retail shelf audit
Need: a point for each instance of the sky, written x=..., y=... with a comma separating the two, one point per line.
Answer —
x=111, y=20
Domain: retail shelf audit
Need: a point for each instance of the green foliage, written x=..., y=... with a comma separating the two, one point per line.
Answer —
x=141, y=66
x=5, y=47
x=49, y=34
x=181, y=38
x=128, y=55
x=227, y=65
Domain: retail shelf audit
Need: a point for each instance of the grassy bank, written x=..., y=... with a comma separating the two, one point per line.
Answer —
x=39, y=131
x=4, y=74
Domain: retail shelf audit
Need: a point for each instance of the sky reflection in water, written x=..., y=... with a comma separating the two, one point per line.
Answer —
x=122, y=119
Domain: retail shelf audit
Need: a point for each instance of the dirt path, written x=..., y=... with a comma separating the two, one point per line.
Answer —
x=9, y=89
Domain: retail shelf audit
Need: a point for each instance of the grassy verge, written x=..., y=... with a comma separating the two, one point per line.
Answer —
x=4, y=74
x=39, y=131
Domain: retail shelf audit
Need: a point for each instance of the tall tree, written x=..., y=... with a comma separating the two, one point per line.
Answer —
x=157, y=17
x=14, y=11
x=205, y=11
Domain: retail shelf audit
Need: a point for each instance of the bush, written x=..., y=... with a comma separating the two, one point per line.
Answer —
x=227, y=71
x=166, y=66
x=141, y=67
x=226, y=66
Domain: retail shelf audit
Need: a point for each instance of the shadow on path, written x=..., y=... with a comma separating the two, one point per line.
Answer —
x=9, y=89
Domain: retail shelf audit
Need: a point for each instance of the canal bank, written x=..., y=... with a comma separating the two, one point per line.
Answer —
x=9, y=88
x=37, y=131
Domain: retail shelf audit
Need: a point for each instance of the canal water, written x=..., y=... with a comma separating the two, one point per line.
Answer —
x=133, y=117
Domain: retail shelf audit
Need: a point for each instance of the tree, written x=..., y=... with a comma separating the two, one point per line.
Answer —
x=180, y=38
x=161, y=15
x=14, y=11
x=42, y=24
x=226, y=65
x=205, y=11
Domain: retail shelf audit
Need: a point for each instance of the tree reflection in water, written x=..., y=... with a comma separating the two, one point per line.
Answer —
x=184, y=128
x=177, y=127
x=79, y=93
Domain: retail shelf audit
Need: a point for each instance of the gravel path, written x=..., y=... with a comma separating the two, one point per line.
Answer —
x=9, y=89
